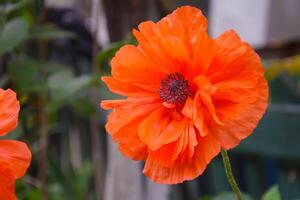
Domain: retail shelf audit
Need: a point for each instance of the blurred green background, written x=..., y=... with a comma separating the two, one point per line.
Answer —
x=53, y=54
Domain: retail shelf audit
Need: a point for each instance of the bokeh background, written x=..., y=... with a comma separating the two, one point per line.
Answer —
x=53, y=53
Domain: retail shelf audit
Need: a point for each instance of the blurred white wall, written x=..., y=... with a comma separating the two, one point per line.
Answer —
x=259, y=22
x=60, y=3
x=284, y=20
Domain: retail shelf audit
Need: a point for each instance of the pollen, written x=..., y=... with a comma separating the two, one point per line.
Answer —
x=175, y=89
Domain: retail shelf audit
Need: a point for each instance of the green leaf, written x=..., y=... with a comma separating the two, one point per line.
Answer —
x=205, y=198
x=13, y=33
x=83, y=106
x=64, y=87
x=230, y=196
x=83, y=176
x=276, y=67
x=272, y=194
x=32, y=194
x=54, y=67
x=24, y=72
x=59, y=79
x=11, y=7
x=50, y=32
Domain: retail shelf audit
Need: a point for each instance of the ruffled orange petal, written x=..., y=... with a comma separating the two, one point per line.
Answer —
x=188, y=108
x=241, y=90
x=156, y=47
x=204, y=49
x=130, y=73
x=125, y=88
x=238, y=95
x=199, y=116
x=247, y=79
x=233, y=57
x=172, y=132
x=124, y=126
x=185, y=22
x=207, y=102
x=129, y=142
x=167, y=153
x=17, y=156
x=180, y=55
x=128, y=110
x=201, y=109
x=149, y=38
x=194, y=109
x=159, y=128
x=207, y=149
x=131, y=65
x=9, y=111
x=240, y=119
x=204, y=85
x=7, y=186
x=191, y=141
x=153, y=125
x=167, y=44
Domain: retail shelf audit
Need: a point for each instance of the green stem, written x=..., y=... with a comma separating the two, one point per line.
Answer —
x=230, y=176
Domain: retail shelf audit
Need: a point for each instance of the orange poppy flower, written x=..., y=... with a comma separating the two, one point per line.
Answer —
x=188, y=95
x=7, y=186
x=14, y=156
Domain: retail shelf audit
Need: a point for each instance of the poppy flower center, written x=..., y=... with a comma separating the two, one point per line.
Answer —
x=175, y=89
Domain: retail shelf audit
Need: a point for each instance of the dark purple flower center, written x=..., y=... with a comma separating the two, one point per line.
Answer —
x=175, y=89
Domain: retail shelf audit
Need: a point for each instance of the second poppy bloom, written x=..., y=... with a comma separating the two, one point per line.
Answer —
x=188, y=95
x=15, y=156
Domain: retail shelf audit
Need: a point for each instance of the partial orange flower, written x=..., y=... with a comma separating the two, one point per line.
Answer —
x=188, y=95
x=15, y=156
x=7, y=186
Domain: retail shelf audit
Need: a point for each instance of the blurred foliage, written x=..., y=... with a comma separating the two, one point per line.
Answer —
x=271, y=194
x=48, y=32
x=276, y=67
x=13, y=33
x=29, y=69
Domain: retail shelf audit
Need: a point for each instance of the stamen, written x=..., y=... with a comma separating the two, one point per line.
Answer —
x=175, y=89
